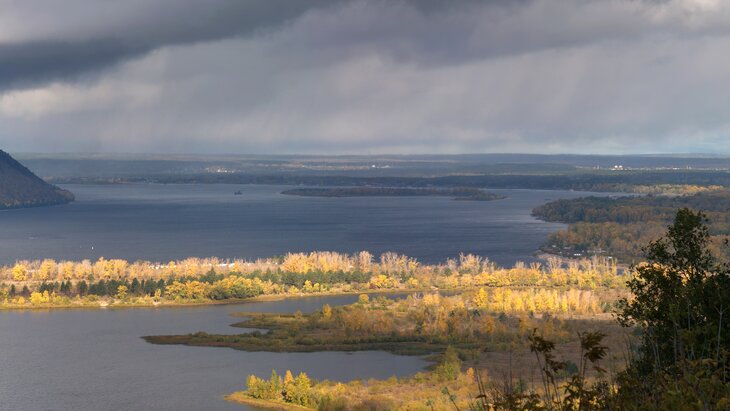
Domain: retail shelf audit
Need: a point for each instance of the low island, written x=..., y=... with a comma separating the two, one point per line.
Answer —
x=458, y=193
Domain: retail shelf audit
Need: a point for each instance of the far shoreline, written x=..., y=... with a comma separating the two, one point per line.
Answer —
x=457, y=193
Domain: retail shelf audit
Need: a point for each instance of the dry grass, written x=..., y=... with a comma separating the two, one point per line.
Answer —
x=520, y=362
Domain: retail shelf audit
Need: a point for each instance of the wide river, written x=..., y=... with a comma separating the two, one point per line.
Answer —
x=95, y=359
x=165, y=222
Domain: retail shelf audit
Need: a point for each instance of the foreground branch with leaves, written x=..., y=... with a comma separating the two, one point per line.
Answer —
x=679, y=300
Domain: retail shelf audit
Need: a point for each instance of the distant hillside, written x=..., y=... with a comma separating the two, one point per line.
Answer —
x=19, y=187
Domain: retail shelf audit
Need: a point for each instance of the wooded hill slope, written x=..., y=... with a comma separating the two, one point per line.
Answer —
x=19, y=187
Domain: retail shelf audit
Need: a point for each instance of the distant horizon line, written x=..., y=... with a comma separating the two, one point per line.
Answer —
x=351, y=155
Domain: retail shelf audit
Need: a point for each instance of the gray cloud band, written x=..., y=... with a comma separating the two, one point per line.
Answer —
x=27, y=63
x=366, y=75
x=424, y=31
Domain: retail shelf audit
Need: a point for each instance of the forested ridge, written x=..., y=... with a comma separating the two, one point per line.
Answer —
x=19, y=187
x=620, y=226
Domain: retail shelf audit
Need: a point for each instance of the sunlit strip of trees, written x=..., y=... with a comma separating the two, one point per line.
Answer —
x=323, y=262
x=294, y=273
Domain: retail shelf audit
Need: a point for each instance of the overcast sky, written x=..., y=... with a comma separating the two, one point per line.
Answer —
x=365, y=76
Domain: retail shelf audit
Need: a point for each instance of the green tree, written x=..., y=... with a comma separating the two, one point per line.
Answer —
x=82, y=288
x=681, y=297
x=450, y=366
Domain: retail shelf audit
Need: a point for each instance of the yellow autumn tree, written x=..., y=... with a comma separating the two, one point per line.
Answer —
x=481, y=299
x=288, y=377
x=20, y=272
x=37, y=298
x=46, y=270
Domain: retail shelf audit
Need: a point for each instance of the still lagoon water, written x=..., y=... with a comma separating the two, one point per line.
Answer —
x=95, y=360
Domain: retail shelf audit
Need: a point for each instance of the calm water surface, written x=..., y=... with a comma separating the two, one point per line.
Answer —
x=164, y=222
x=95, y=359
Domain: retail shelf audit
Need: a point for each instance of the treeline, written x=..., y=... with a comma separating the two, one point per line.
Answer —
x=636, y=209
x=619, y=227
x=119, y=269
x=323, y=267
x=83, y=288
x=622, y=241
x=423, y=391
x=207, y=280
x=605, y=181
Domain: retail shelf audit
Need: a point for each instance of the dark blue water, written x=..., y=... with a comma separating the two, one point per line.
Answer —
x=165, y=222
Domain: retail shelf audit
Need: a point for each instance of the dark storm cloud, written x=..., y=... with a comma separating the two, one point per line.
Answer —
x=25, y=63
x=424, y=31
x=29, y=63
x=365, y=75
x=65, y=55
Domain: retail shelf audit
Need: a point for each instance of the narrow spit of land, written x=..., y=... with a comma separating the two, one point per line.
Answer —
x=458, y=193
